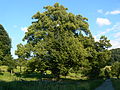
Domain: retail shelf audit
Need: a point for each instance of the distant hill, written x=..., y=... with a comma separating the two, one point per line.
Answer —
x=115, y=55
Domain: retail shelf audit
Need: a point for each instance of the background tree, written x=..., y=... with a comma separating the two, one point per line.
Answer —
x=23, y=53
x=5, y=45
x=101, y=56
x=10, y=62
x=115, y=55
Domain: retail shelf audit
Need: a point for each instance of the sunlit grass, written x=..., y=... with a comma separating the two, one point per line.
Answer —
x=11, y=82
x=6, y=76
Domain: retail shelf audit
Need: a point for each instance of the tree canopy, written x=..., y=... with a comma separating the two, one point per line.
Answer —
x=60, y=41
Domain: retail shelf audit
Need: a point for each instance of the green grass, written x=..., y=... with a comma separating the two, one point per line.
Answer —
x=7, y=77
x=46, y=85
x=12, y=82
x=116, y=84
x=32, y=82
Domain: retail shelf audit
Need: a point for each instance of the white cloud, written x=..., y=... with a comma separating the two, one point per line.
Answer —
x=115, y=27
x=115, y=12
x=115, y=43
x=103, y=21
x=24, y=29
x=100, y=11
x=116, y=35
x=96, y=38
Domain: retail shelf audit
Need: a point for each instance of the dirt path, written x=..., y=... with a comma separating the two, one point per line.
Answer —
x=107, y=85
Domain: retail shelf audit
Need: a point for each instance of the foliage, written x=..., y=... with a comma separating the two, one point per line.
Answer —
x=22, y=53
x=99, y=56
x=60, y=41
x=116, y=69
x=115, y=55
x=106, y=72
x=54, y=41
x=5, y=45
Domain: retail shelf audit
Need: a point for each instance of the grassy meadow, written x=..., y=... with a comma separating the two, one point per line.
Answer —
x=45, y=85
x=33, y=81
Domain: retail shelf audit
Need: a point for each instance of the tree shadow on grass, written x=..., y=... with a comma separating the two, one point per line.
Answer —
x=48, y=77
x=38, y=85
x=65, y=84
x=35, y=75
x=49, y=81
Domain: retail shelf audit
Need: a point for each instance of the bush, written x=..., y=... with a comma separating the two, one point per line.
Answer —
x=115, y=69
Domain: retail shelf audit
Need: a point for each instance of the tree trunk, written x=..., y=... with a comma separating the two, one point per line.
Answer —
x=117, y=76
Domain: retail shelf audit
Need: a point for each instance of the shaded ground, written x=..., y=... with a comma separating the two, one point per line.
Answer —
x=50, y=85
x=107, y=85
x=36, y=81
x=116, y=83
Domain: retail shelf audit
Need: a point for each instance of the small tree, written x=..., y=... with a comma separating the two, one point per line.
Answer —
x=23, y=52
x=10, y=62
x=99, y=56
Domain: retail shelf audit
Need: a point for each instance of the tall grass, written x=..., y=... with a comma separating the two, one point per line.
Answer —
x=45, y=85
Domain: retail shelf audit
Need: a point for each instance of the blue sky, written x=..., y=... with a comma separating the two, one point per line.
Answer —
x=103, y=15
